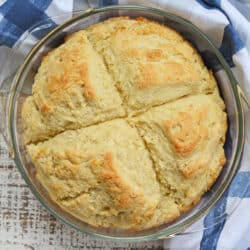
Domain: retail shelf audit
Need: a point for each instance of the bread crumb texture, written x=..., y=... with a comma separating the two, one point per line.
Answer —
x=125, y=125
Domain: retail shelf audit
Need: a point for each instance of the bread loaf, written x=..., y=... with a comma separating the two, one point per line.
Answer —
x=125, y=125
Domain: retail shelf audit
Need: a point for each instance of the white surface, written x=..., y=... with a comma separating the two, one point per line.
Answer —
x=243, y=6
x=229, y=234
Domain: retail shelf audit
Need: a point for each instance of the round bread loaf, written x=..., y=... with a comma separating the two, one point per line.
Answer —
x=125, y=125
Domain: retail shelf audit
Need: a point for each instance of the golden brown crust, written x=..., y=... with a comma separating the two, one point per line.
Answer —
x=147, y=168
x=124, y=196
x=72, y=89
x=167, y=73
x=151, y=64
x=185, y=139
x=187, y=129
x=79, y=170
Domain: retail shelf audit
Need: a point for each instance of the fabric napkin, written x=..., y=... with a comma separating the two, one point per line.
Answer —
x=230, y=32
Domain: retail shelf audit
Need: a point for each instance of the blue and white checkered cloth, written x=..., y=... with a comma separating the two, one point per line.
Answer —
x=230, y=32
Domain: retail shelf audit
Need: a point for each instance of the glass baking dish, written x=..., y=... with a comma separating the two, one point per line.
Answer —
x=49, y=34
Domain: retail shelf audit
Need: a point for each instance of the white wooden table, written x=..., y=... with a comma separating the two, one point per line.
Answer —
x=25, y=224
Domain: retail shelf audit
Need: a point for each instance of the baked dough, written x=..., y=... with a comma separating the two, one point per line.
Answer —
x=125, y=125
x=72, y=89
x=102, y=174
x=185, y=139
x=151, y=64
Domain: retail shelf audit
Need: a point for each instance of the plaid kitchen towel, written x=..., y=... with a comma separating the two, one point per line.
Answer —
x=230, y=32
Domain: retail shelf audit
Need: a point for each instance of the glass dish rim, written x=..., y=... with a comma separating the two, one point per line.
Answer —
x=165, y=232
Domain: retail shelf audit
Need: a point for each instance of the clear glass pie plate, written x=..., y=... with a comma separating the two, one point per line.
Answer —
x=49, y=34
